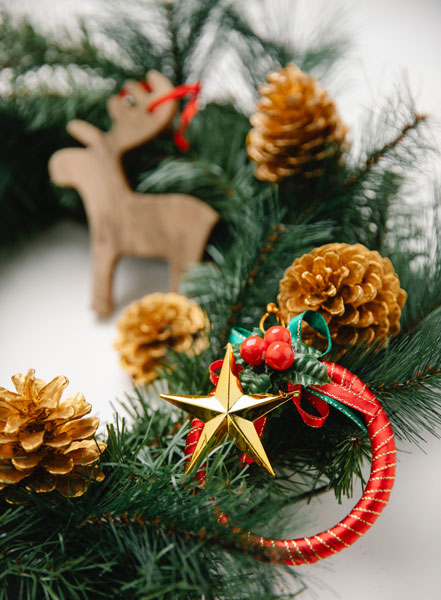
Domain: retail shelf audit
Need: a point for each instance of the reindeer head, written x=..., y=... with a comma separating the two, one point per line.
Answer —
x=133, y=124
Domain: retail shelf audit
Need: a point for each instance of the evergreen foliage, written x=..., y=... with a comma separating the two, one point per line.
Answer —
x=143, y=533
x=50, y=77
x=148, y=531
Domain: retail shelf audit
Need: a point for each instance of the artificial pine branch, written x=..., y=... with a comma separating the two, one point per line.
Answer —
x=392, y=144
x=277, y=44
x=375, y=156
x=389, y=149
x=121, y=540
x=276, y=232
x=84, y=71
x=174, y=47
x=414, y=247
x=411, y=357
x=428, y=378
x=146, y=532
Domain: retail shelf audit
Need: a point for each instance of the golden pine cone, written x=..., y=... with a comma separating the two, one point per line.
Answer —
x=154, y=323
x=355, y=289
x=44, y=442
x=295, y=127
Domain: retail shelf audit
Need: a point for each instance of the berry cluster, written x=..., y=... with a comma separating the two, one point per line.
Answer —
x=274, y=349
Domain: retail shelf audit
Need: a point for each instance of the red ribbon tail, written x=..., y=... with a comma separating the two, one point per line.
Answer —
x=186, y=118
x=180, y=142
x=192, y=439
x=321, y=407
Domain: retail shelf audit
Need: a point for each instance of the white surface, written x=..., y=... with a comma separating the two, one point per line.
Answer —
x=398, y=558
x=46, y=323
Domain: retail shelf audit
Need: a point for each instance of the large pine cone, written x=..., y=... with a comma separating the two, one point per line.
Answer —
x=44, y=442
x=295, y=127
x=151, y=325
x=355, y=289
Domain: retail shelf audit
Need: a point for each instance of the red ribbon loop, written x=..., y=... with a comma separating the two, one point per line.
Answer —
x=321, y=407
x=217, y=366
x=213, y=368
x=192, y=439
x=192, y=90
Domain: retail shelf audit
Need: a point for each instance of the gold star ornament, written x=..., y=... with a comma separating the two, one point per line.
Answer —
x=230, y=412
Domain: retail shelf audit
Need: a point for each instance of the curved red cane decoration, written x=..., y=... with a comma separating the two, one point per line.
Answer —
x=348, y=389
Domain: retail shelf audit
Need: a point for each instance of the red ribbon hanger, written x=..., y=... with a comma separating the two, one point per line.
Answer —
x=190, y=90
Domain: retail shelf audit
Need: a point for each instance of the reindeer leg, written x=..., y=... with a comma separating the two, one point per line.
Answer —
x=177, y=268
x=104, y=259
x=193, y=222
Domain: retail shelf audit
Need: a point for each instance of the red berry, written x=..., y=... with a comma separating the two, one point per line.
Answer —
x=252, y=350
x=279, y=356
x=277, y=334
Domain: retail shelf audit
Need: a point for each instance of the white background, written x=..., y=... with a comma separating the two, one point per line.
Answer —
x=46, y=323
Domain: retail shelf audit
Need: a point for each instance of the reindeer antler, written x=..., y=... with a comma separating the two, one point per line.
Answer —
x=133, y=124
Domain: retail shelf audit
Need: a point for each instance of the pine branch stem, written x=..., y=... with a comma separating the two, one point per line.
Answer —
x=238, y=543
x=417, y=322
x=174, y=46
x=421, y=378
x=376, y=156
x=310, y=494
x=265, y=249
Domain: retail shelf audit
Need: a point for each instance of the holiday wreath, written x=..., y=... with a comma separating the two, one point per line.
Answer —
x=308, y=221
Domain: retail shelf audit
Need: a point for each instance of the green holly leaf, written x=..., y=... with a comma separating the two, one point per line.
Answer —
x=255, y=383
x=308, y=370
x=300, y=347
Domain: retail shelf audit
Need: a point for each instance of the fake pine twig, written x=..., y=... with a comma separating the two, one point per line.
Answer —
x=375, y=158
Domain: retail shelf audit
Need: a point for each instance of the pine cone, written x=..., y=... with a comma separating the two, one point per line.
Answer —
x=44, y=442
x=151, y=325
x=295, y=127
x=355, y=289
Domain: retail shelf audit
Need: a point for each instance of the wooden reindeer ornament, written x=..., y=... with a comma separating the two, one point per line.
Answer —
x=121, y=221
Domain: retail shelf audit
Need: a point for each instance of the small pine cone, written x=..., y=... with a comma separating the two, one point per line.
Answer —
x=44, y=443
x=296, y=127
x=151, y=325
x=355, y=289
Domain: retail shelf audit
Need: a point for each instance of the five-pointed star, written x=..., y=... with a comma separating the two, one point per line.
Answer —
x=230, y=411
